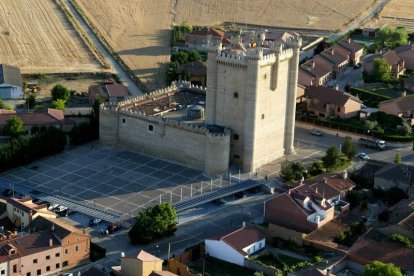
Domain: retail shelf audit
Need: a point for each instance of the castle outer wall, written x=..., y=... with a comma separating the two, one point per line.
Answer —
x=194, y=147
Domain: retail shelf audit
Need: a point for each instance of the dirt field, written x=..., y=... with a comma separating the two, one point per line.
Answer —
x=399, y=8
x=35, y=35
x=139, y=29
x=397, y=12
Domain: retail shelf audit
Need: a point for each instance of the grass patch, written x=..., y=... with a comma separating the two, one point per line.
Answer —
x=214, y=266
x=392, y=92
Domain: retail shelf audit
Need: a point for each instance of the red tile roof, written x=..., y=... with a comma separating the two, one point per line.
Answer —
x=116, y=90
x=40, y=117
x=350, y=45
x=366, y=250
x=241, y=238
x=205, y=32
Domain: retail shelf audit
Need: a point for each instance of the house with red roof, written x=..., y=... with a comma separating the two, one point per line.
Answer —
x=406, y=52
x=22, y=211
x=395, y=63
x=197, y=39
x=327, y=102
x=402, y=107
x=235, y=246
x=333, y=59
x=39, y=118
x=108, y=92
x=350, y=48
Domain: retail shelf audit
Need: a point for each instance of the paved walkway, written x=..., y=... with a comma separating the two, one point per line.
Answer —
x=133, y=88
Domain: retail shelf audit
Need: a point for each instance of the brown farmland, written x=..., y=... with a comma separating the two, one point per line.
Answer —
x=139, y=29
x=35, y=35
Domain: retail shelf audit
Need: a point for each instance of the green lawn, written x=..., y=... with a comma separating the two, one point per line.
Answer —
x=216, y=267
x=390, y=92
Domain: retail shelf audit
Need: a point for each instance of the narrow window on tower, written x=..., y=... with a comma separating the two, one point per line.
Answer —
x=235, y=95
x=150, y=128
x=235, y=137
x=262, y=116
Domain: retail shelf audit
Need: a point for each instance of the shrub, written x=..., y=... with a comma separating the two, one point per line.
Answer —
x=83, y=133
x=398, y=238
x=60, y=92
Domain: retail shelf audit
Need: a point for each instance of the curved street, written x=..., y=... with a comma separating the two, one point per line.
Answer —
x=133, y=88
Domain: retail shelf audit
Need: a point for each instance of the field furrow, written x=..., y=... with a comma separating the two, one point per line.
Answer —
x=36, y=36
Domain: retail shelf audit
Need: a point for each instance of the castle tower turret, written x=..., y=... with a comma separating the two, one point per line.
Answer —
x=295, y=43
x=213, y=48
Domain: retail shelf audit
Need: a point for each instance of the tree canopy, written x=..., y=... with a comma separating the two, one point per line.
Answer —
x=292, y=171
x=349, y=149
x=332, y=158
x=377, y=268
x=31, y=101
x=14, y=126
x=58, y=104
x=59, y=92
x=153, y=223
x=390, y=37
x=381, y=71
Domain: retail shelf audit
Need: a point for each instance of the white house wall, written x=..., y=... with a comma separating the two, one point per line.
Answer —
x=251, y=249
x=223, y=251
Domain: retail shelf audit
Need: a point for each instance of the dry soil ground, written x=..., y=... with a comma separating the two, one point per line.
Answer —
x=398, y=12
x=35, y=35
x=139, y=29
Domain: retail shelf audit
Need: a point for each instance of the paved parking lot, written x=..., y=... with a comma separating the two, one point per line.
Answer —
x=115, y=180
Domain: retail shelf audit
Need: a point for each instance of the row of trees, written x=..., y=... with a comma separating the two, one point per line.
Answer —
x=60, y=94
x=293, y=171
x=24, y=149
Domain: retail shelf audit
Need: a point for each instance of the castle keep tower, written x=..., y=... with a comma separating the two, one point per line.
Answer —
x=252, y=91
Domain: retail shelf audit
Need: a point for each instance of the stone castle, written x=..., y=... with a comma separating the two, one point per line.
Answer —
x=245, y=117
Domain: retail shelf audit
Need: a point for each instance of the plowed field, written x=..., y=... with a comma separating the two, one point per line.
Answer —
x=35, y=35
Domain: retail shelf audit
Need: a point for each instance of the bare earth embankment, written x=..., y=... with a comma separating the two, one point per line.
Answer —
x=139, y=29
x=36, y=36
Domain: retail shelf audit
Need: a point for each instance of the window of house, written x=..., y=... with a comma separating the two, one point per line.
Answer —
x=235, y=94
x=65, y=263
x=3, y=272
x=35, y=261
x=57, y=255
x=28, y=274
x=236, y=156
x=66, y=251
x=39, y=272
x=265, y=76
x=235, y=137
x=123, y=121
x=77, y=248
x=14, y=268
x=48, y=268
x=338, y=109
x=150, y=128
x=57, y=265
x=48, y=257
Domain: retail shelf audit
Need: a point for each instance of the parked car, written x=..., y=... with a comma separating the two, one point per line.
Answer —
x=316, y=132
x=53, y=206
x=94, y=221
x=363, y=156
x=220, y=201
x=239, y=195
x=65, y=212
x=113, y=228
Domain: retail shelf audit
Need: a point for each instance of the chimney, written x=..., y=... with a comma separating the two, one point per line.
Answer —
x=345, y=174
x=50, y=242
x=325, y=180
x=404, y=93
x=328, y=272
x=312, y=64
x=337, y=87
x=122, y=254
x=349, y=40
x=316, y=189
x=332, y=51
x=244, y=224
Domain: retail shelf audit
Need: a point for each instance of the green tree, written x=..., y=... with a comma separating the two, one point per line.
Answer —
x=59, y=92
x=399, y=37
x=349, y=149
x=31, y=101
x=381, y=70
x=193, y=55
x=181, y=57
x=2, y=105
x=292, y=171
x=58, y=104
x=397, y=159
x=377, y=268
x=153, y=223
x=14, y=126
x=384, y=36
x=258, y=273
x=332, y=158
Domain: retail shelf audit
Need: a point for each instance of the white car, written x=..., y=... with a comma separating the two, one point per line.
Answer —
x=60, y=209
x=363, y=156
x=53, y=206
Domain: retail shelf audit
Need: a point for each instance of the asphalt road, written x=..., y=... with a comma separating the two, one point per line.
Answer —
x=133, y=88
